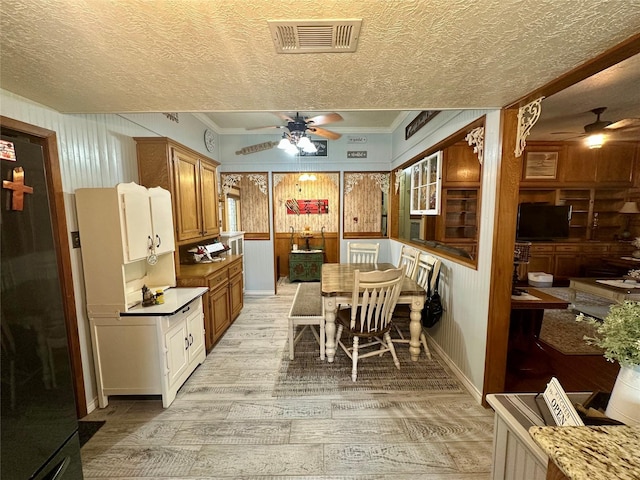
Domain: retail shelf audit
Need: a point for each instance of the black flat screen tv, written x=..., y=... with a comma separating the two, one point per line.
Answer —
x=538, y=222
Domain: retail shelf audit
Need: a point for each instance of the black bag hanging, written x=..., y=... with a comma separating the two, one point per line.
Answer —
x=432, y=310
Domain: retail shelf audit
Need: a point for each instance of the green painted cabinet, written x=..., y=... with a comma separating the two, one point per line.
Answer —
x=305, y=266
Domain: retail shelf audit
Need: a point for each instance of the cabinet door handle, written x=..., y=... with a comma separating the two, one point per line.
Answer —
x=186, y=343
x=150, y=242
x=190, y=339
x=159, y=242
x=186, y=310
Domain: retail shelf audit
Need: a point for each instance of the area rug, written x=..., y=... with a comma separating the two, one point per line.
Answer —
x=87, y=429
x=307, y=375
x=561, y=331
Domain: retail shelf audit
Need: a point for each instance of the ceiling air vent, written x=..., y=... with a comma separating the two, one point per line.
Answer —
x=315, y=36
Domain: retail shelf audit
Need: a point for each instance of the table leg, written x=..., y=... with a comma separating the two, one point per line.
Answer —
x=572, y=296
x=415, y=326
x=330, y=307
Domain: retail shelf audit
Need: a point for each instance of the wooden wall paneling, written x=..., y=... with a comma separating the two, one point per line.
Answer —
x=254, y=202
x=363, y=203
x=508, y=180
x=287, y=186
x=282, y=250
x=47, y=139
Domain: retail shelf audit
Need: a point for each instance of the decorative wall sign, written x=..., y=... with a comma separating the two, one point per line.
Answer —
x=7, y=151
x=357, y=154
x=172, y=116
x=313, y=207
x=353, y=140
x=256, y=148
x=321, y=146
x=420, y=121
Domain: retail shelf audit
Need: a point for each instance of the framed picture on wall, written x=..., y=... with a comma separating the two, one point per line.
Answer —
x=541, y=166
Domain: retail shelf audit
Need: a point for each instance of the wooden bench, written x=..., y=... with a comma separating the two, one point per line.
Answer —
x=307, y=309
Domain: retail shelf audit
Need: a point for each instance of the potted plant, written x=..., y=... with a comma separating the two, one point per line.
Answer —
x=619, y=336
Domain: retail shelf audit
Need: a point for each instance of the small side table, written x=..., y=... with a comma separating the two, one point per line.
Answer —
x=305, y=265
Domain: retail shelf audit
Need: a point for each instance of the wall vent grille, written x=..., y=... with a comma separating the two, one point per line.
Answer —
x=315, y=36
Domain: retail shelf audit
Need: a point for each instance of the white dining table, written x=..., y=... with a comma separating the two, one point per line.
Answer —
x=337, y=281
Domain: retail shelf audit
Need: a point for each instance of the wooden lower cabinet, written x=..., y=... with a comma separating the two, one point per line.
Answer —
x=225, y=299
x=571, y=259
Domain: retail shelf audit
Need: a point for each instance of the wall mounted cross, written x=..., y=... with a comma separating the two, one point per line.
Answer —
x=18, y=188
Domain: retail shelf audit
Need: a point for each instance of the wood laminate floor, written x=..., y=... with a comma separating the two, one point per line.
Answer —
x=226, y=424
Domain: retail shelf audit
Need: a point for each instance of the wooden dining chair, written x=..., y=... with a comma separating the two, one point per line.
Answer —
x=375, y=295
x=426, y=275
x=409, y=260
x=362, y=252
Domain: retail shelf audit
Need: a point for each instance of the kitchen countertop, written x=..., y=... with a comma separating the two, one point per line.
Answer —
x=592, y=453
x=174, y=299
x=206, y=269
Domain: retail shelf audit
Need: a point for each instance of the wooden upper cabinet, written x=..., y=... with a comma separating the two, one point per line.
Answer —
x=616, y=162
x=191, y=179
x=612, y=164
x=460, y=166
x=580, y=164
x=187, y=196
x=208, y=186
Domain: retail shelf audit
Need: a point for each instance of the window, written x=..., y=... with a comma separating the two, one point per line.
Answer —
x=425, y=185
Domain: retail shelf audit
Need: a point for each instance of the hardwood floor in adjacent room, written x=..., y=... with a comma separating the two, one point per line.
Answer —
x=226, y=422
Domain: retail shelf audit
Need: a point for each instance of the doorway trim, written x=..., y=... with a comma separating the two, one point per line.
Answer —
x=47, y=139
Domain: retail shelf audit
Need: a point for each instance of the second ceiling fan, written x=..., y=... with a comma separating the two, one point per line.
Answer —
x=299, y=125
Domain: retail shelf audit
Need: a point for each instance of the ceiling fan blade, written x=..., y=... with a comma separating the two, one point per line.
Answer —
x=321, y=132
x=268, y=126
x=625, y=123
x=284, y=116
x=324, y=119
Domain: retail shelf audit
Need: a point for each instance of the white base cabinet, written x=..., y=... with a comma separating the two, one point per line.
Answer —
x=148, y=354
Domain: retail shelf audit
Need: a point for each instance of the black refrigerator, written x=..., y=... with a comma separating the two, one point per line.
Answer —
x=39, y=427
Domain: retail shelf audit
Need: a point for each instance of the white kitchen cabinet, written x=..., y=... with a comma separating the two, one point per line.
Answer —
x=426, y=184
x=149, y=350
x=127, y=241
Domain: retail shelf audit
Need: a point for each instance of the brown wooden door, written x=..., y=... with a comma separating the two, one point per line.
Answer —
x=209, y=204
x=187, y=196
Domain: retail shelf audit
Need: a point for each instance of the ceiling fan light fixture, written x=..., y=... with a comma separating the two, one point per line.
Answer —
x=595, y=141
x=311, y=148
x=291, y=149
x=304, y=142
x=284, y=143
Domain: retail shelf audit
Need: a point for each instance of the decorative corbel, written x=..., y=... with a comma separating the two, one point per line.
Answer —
x=475, y=138
x=527, y=118
x=382, y=180
x=260, y=181
x=398, y=176
x=229, y=181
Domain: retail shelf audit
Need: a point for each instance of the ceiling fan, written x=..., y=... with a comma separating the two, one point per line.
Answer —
x=298, y=126
x=606, y=126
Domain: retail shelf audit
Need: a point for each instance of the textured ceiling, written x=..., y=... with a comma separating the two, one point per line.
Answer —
x=217, y=56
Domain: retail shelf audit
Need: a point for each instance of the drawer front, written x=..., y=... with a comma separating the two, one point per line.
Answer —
x=170, y=321
x=595, y=248
x=541, y=248
x=235, y=269
x=567, y=248
x=217, y=280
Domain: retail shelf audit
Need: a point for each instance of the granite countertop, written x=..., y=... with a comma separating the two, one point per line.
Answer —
x=592, y=453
